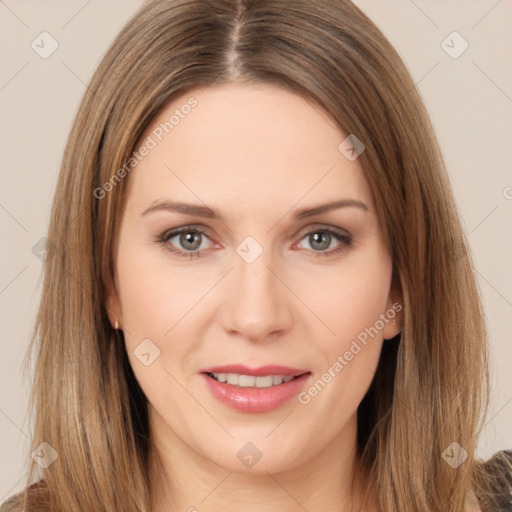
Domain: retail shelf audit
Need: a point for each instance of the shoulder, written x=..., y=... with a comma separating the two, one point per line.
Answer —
x=495, y=477
x=32, y=499
x=13, y=504
x=501, y=462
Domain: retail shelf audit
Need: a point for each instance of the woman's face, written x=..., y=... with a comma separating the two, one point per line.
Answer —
x=261, y=275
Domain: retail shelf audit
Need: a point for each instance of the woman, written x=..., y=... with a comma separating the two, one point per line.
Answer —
x=259, y=294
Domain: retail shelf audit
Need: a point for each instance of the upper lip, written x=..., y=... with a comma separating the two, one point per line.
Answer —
x=256, y=372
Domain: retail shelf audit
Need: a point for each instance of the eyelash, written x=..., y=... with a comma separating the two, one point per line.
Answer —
x=164, y=238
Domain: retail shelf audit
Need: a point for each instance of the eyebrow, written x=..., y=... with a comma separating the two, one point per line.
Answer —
x=204, y=211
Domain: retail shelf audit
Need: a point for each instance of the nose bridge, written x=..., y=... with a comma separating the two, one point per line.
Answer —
x=257, y=305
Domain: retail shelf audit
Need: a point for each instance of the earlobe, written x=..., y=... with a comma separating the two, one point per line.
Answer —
x=113, y=306
x=394, y=326
x=113, y=311
x=394, y=316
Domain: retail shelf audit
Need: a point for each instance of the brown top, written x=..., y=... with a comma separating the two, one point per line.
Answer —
x=494, y=496
x=499, y=487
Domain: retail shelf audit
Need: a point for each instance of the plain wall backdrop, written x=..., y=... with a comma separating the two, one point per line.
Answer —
x=467, y=91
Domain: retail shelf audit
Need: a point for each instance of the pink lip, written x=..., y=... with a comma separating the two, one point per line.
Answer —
x=256, y=372
x=253, y=399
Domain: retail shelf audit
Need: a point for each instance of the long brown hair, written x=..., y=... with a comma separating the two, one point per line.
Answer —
x=430, y=389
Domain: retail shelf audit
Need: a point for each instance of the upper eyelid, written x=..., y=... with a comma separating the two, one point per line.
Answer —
x=171, y=233
x=321, y=227
x=302, y=232
x=205, y=230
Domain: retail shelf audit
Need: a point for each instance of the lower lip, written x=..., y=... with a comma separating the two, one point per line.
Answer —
x=252, y=399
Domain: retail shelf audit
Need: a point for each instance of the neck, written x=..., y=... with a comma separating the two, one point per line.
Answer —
x=182, y=480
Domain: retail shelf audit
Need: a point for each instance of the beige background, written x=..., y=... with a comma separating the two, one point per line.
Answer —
x=469, y=99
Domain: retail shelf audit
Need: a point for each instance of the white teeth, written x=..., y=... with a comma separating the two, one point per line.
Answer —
x=265, y=381
x=232, y=378
x=246, y=381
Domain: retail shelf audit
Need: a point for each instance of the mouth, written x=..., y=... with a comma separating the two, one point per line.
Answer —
x=251, y=381
x=254, y=390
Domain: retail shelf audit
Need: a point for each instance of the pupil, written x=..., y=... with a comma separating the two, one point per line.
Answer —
x=190, y=240
x=316, y=237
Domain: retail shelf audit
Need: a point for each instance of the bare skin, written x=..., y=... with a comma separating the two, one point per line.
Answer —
x=255, y=154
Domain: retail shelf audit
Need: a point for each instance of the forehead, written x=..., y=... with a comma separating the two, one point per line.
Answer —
x=245, y=145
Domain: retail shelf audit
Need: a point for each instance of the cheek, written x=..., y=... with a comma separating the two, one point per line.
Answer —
x=352, y=302
x=165, y=303
x=153, y=297
x=351, y=298
x=158, y=305
x=346, y=298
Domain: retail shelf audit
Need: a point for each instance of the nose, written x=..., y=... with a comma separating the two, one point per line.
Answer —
x=257, y=303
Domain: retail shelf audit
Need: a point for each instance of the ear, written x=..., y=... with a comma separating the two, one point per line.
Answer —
x=113, y=304
x=394, y=312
